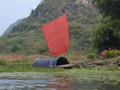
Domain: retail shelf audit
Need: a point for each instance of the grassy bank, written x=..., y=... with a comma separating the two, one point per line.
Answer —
x=23, y=66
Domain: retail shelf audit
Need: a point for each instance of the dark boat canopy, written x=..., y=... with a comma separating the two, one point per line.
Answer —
x=50, y=62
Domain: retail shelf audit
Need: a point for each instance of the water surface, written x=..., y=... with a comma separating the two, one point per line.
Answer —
x=12, y=84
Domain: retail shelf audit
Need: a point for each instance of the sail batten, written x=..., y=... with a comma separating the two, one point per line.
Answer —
x=55, y=29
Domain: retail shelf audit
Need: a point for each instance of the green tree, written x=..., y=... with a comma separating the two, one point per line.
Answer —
x=107, y=35
x=108, y=7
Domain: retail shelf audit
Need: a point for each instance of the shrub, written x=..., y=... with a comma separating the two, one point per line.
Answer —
x=112, y=53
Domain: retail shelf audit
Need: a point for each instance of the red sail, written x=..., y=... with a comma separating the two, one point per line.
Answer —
x=56, y=35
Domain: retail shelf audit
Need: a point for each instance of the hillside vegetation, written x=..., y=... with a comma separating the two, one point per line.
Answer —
x=27, y=38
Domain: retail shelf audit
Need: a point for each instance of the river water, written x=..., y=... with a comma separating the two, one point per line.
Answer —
x=36, y=84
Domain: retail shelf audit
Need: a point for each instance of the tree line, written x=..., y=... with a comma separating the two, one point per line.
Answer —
x=107, y=34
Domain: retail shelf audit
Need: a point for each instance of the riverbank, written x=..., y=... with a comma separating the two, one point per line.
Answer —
x=105, y=71
x=103, y=76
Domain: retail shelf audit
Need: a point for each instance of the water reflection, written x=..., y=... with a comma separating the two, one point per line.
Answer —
x=63, y=85
x=6, y=84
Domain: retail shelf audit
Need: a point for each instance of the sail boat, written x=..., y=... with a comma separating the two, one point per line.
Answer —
x=56, y=35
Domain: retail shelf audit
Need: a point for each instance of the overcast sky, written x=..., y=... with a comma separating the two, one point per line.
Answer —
x=12, y=10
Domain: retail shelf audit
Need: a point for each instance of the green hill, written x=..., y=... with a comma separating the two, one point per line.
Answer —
x=27, y=38
x=13, y=25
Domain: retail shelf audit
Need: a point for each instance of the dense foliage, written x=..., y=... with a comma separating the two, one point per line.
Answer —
x=27, y=38
x=108, y=7
x=107, y=34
